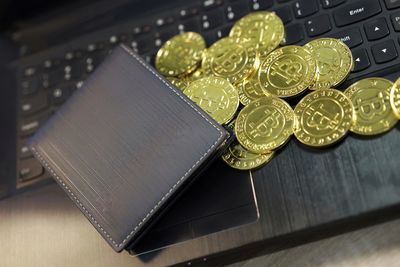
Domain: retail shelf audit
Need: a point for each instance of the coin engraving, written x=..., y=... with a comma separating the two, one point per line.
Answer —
x=231, y=60
x=180, y=55
x=371, y=100
x=334, y=62
x=264, y=125
x=216, y=96
x=324, y=117
x=395, y=98
x=263, y=30
x=287, y=71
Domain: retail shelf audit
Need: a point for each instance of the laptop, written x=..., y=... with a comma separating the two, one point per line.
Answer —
x=48, y=49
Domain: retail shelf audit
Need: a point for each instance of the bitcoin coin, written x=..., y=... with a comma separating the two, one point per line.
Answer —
x=178, y=83
x=264, y=125
x=264, y=30
x=250, y=90
x=216, y=96
x=287, y=72
x=323, y=117
x=181, y=54
x=395, y=98
x=197, y=74
x=371, y=100
x=239, y=158
x=234, y=61
x=334, y=62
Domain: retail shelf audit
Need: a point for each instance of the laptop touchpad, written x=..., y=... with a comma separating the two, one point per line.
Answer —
x=220, y=199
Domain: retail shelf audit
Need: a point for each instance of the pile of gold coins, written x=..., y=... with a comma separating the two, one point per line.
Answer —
x=243, y=80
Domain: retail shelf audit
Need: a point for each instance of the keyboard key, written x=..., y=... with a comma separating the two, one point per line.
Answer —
x=396, y=21
x=34, y=104
x=376, y=29
x=144, y=44
x=60, y=94
x=305, y=8
x=139, y=30
x=261, y=4
x=391, y=4
x=318, y=25
x=209, y=4
x=361, y=60
x=237, y=10
x=53, y=78
x=384, y=52
x=212, y=19
x=351, y=37
x=30, y=169
x=294, y=34
x=356, y=11
x=30, y=71
x=223, y=32
x=189, y=12
x=49, y=64
x=331, y=3
x=210, y=37
x=29, y=125
x=29, y=86
x=24, y=151
x=161, y=22
x=285, y=13
x=190, y=25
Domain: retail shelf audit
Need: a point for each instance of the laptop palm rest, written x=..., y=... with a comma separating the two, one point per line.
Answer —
x=221, y=198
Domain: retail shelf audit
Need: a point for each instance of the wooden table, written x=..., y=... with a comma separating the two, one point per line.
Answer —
x=43, y=228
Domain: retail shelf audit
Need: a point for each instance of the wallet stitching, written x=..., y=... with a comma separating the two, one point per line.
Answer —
x=50, y=169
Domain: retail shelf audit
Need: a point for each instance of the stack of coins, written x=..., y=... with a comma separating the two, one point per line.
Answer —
x=244, y=80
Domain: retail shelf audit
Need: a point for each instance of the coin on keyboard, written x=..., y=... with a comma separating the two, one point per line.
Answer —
x=237, y=157
x=216, y=96
x=395, y=98
x=323, y=117
x=264, y=125
x=334, y=62
x=230, y=59
x=181, y=54
x=262, y=29
x=250, y=90
x=371, y=100
x=178, y=83
x=287, y=72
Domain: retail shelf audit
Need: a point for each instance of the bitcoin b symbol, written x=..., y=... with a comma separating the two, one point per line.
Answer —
x=230, y=61
x=327, y=63
x=371, y=107
x=265, y=126
x=321, y=119
x=288, y=69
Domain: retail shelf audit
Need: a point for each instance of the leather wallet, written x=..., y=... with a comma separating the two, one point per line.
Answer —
x=125, y=145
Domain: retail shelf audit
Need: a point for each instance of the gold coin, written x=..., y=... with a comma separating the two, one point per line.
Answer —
x=334, y=62
x=323, y=117
x=216, y=96
x=371, y=100
x=287, y=72
x=181, y=54
x=237, y=157
x=197, y=74
x=178, y=83
x=395, y=98
x=250, y=90
x=231, y=60
x=264, y=125
x=262, y=29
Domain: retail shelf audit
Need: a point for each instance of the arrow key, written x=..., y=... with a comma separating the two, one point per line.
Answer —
x=376, y=29
x=384, y=52
x=361, y=60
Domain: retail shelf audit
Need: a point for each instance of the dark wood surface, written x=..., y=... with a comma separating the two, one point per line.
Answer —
x=43, y=228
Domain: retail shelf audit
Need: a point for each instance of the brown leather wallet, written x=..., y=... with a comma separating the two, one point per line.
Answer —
x=125, y=145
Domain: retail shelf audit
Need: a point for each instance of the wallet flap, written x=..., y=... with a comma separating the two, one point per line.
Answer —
x=124, y=143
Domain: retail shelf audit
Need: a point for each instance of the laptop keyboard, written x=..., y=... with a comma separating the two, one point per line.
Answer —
x=46, y=79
